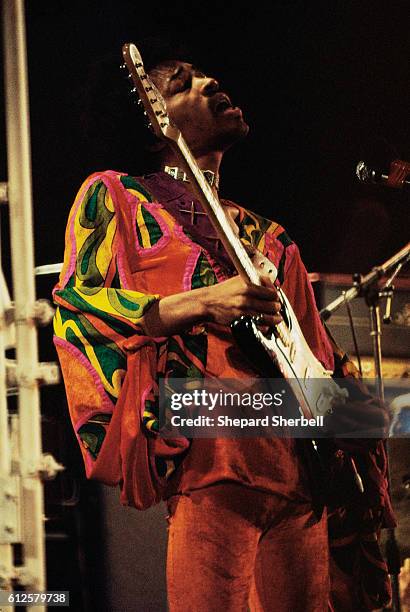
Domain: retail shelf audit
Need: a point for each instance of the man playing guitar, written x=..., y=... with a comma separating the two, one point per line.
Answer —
x=147, y=288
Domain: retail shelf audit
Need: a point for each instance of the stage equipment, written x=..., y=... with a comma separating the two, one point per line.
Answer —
x=372, y=290
x=396, y=178
x=23, y=466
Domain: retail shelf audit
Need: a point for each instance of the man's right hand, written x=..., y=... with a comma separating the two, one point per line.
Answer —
x=220, y=303
x=232, y=298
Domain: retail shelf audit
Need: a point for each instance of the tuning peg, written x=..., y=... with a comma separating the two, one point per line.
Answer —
x=139, y=102
x=123, y=67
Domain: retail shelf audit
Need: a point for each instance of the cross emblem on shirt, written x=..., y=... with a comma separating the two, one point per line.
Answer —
x=191, y=211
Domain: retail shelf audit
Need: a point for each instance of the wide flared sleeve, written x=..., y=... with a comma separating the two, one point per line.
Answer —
x=96, y=308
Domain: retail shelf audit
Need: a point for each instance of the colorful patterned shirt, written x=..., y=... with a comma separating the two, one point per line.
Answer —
x=123, y=251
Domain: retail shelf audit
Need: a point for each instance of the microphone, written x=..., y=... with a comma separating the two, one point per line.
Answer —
x=397, y=178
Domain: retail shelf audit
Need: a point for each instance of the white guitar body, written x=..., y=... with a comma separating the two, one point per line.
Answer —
x=311, y=384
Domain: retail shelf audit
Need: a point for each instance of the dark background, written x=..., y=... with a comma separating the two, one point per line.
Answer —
x=322, y=84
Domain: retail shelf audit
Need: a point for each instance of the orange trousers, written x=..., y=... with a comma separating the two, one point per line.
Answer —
x=235, y=549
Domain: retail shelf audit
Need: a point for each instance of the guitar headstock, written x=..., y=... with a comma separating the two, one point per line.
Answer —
x=148, y=94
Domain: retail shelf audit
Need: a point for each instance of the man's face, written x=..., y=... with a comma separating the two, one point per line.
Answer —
x=205, y=115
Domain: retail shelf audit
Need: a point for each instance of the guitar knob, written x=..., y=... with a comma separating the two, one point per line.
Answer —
x=357, y=279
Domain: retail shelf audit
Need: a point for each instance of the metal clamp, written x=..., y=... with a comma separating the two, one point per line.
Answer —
x=40, y=312
x=24, y=577
x=21, y=575
x=6, y=577
x=46, y=373
x=9, y=503
x=48, y=467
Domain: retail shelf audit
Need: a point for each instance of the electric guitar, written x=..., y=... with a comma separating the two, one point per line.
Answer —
x=283, y=348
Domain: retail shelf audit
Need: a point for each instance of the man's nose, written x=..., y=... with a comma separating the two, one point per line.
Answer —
x=208, y=86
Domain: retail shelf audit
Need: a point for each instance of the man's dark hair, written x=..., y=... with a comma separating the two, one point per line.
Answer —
x=113, y=127
x=155, y=51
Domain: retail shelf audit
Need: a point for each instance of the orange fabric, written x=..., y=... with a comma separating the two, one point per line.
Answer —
x=235, y=549
x=162, y=273
x=270, y=465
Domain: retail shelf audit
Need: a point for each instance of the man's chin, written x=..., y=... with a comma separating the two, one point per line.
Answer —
x=232, y=135
x=245, y=129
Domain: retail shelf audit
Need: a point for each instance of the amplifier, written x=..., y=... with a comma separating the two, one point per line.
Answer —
x=395, y=335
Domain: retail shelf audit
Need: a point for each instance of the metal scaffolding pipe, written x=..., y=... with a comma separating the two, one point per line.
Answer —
x=22, y=255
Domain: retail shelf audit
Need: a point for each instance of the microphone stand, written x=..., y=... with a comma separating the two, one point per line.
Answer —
x=367, y=287
x=362, y=283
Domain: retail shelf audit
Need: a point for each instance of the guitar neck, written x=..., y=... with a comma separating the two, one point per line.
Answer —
x=216, y=213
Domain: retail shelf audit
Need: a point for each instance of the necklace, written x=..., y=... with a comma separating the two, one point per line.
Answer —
x=180, y=175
